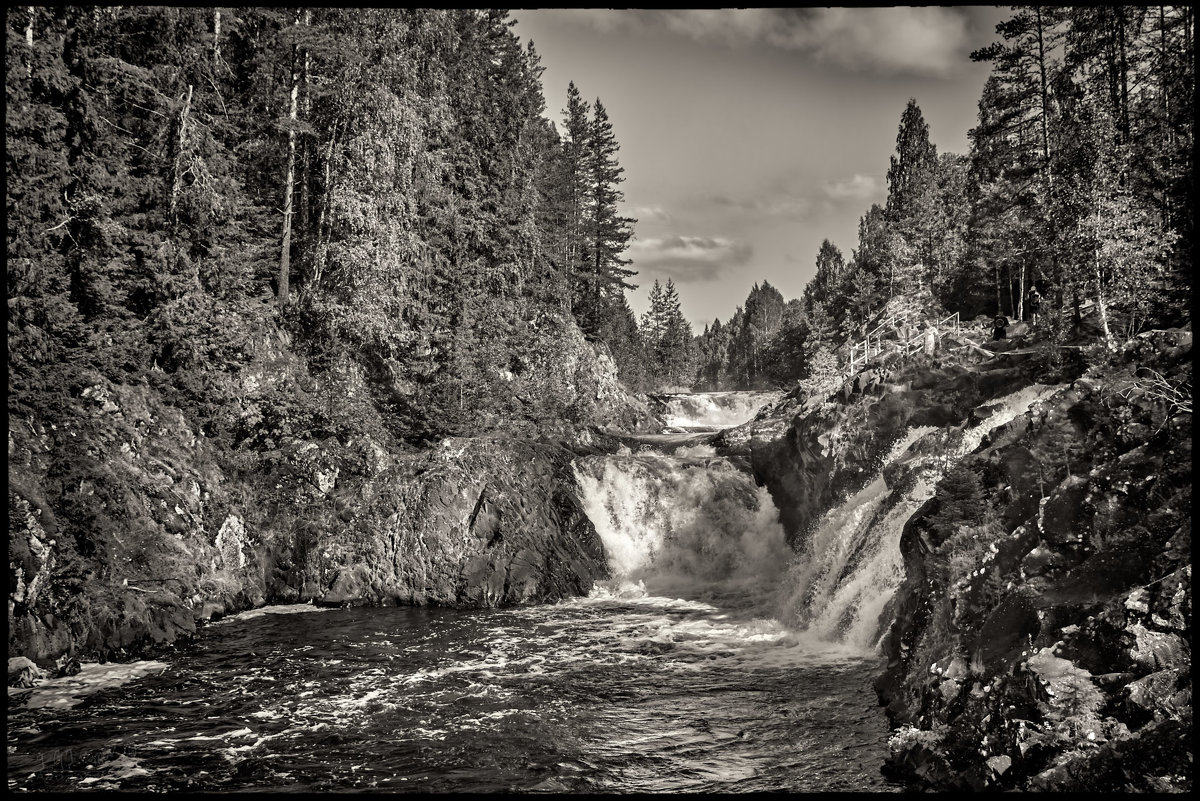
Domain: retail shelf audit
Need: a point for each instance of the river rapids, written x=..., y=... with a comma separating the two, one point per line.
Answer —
x=714, y=659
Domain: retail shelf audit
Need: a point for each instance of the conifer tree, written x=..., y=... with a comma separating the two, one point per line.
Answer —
x=831, y=265
x=604, y=273
x=577, y=149
x=912, y=208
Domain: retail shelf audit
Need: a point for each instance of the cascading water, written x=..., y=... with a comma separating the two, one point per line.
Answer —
x=671, y=523
x=683, y=672
x=691, y=523
x=714, y=410
x=851, y=566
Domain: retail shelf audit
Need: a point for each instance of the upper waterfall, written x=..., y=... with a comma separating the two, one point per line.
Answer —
x=715, y=410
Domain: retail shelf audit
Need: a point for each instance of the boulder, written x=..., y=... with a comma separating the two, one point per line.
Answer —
x=22, y=672
x=1164, y=693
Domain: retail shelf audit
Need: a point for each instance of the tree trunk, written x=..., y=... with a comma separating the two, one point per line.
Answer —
x=29, y=41
x=305, y=161
x=1008, y=283
x=285, y=254
x=1164, y=89
x=1123, y=66
x=180, y=143
x=216, y=45
x=1045, y=93
x=1021, y=292
x=322, y=248
x=1100, y=306
x=1114, y=81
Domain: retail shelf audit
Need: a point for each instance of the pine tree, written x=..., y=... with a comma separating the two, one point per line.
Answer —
x=577, y=164
x=1019, y=117
x=831, y=265
x=676, y=345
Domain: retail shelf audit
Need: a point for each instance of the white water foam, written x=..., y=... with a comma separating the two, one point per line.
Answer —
x=715, y=409
x=680, y=533
x=271, y=609
x=840, y=584
x=677, y=524
x=69, y=691
x=675, y=527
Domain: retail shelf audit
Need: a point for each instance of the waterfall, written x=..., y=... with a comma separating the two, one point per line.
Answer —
x=683, y=523
x=840, y=583
x=714, y=410
x=688, y=524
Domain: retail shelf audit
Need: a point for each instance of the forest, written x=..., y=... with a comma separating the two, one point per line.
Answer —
x=378, y=187
x=385, y=188
x=1079, y=181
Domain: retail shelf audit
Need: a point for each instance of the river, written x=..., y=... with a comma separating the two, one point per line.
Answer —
x=713, y=660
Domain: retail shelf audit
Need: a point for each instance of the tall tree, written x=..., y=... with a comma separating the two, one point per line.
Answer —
x=1022, y=106
x=577, y=165
x=285, y=252
x=912, y=208
x=831, y=265
x=607, y=274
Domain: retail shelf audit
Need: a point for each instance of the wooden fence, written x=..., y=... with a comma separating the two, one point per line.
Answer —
x=875, y=341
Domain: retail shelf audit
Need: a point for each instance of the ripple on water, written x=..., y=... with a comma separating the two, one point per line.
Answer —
x=603, y=693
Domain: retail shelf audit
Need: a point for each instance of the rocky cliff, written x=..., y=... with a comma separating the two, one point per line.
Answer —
x=129, y=525
x=813, y=450
x=1042, y=632
x=1040, y=639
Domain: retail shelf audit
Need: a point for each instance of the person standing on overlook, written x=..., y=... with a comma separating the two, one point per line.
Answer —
x=1035, y=305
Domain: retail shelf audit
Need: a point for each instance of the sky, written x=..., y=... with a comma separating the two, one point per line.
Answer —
x=747, y=136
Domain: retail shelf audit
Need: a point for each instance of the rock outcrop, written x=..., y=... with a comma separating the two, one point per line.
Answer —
x=473, y=522
x=1040, y=639
x=131, y=522
x=811, y=452
x=1042, y=632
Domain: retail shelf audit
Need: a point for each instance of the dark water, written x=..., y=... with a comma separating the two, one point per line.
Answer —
x=607, y=693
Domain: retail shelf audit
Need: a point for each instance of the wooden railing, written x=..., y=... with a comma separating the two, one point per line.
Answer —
x=873, y=344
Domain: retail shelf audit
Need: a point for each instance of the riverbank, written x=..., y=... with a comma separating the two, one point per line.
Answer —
x=1040, y=637
x=131, y=522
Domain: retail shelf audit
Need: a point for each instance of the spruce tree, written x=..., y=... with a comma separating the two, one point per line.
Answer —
x=606, y=274
x=577, y=176
x=911, y=208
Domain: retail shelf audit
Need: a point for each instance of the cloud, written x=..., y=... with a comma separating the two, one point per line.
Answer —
x=643, y=213
x=688, y=258
x=788, y=207
x=859, y=187
x=923, y=40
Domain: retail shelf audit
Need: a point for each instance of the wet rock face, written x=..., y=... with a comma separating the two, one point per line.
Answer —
x=1069, y=600
x=130, y=526
x=810, y=453
x=113, y=514
x=471, y=522
x=475, y=522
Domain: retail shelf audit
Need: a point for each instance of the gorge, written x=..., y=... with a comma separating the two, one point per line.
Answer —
x=737, y=640
x=339, y=459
